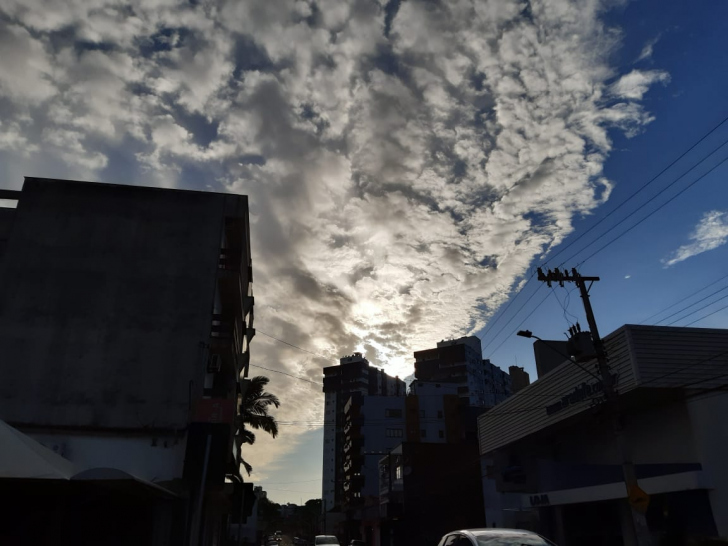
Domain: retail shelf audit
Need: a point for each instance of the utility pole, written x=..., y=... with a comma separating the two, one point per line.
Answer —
x=637, y=498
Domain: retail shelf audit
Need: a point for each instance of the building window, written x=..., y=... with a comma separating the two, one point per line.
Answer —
x=393, y=413
x=423, y=433
x=394, y=433
x=398, y=473
x=439, y=414
x=441, y=433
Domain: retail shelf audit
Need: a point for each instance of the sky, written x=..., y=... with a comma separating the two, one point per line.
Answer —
x=408, y=164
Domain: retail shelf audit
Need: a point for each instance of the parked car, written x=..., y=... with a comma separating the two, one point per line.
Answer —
x=321, y=540
x=494, y=537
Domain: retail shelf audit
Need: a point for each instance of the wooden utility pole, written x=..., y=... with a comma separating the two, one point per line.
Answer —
x=638, y=500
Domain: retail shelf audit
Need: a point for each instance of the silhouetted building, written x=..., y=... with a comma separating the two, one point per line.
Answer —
x=519, y=378
x=557, y=465
x=126, y=313
x=427, y=490
x=549, y=355
x=353, y=375
x=460, y=361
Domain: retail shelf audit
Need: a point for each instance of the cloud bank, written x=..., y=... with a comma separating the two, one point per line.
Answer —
x=405, y=161
x=710, y=232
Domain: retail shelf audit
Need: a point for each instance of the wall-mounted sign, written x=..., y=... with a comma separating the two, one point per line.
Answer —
x=539, y=500
x=579, y=394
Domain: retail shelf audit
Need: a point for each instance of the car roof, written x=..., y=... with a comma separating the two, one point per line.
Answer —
x=495, y=532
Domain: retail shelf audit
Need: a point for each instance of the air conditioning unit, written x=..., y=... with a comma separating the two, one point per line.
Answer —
x=214, y=363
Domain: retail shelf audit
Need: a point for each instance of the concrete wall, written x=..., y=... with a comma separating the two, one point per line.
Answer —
x=112, y=291
x=708, y=416
x=151, y=458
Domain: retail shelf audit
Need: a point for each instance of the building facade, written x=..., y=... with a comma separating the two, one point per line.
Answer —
x=126, y=315
x=353, y=375
x=552, y=453
x=460, y=362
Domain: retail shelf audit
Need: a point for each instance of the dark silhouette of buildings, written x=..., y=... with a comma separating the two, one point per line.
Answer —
x=126, y=314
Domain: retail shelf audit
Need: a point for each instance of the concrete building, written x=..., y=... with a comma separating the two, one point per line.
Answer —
x=519, y=378
x=551, y=451
x=427, y=490
x=460, y=361
x=374, y=425
x=353, y=375
x=126, y=315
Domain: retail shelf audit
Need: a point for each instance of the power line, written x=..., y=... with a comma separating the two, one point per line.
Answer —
x=288, y=374
x=501, y=315
x=511, y=319
x=646, y=217
x=663, y=171
x=510, y=302
x=706, y=316
x=291, y=345
x=520, y=323
x=683, y=299
x=698, y=309
x=689, y=306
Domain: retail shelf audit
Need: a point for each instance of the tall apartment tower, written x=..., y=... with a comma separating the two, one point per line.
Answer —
x=352, y=376
x=126, y=315
x=460, y=362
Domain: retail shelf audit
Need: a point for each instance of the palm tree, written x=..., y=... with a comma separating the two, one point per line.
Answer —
x=254, y=413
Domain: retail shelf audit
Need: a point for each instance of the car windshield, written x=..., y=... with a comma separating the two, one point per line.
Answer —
x=511, y=539
x=327, y=540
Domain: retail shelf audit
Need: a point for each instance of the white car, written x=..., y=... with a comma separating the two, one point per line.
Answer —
x=494, y=537
x=322, y=540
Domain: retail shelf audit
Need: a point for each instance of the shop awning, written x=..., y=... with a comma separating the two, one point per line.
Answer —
x=24, y=458
x=120, y=480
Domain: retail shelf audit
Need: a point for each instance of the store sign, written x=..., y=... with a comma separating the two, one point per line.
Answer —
x=579, y=394
x=539, y=500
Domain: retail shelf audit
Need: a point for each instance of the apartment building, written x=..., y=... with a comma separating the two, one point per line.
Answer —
x=460, y=362
x=353, y=375
x=126, y=314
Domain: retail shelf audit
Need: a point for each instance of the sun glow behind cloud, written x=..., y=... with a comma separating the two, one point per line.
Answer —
x=405, y=162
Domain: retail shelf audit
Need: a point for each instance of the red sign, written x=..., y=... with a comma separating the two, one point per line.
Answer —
x=213, y=410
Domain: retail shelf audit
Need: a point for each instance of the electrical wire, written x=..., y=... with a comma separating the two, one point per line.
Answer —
x=630, y=197
x=520, y=323
x=706, y=316
x=288, y=374
x=697, y=310
x=511, y=319
x=683, y=299
x=292, y=345
x=670, y=200
x=689, y=306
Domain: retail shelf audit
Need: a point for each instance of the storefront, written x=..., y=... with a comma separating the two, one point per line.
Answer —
x=551, y=451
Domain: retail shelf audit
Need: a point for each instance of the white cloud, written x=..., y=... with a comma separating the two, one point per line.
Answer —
x=634, y=85
x=400, y=183
x=710, y=232
x=648, y=49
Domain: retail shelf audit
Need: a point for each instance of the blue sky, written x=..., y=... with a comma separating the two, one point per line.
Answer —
x=408, y=164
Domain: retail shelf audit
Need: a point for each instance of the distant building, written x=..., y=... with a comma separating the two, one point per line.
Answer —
x=519, y=378
x=353, y=375
x=555, y=461
x=549, y=355
x=460, y=362
x=427, y=490
x=126, y=315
